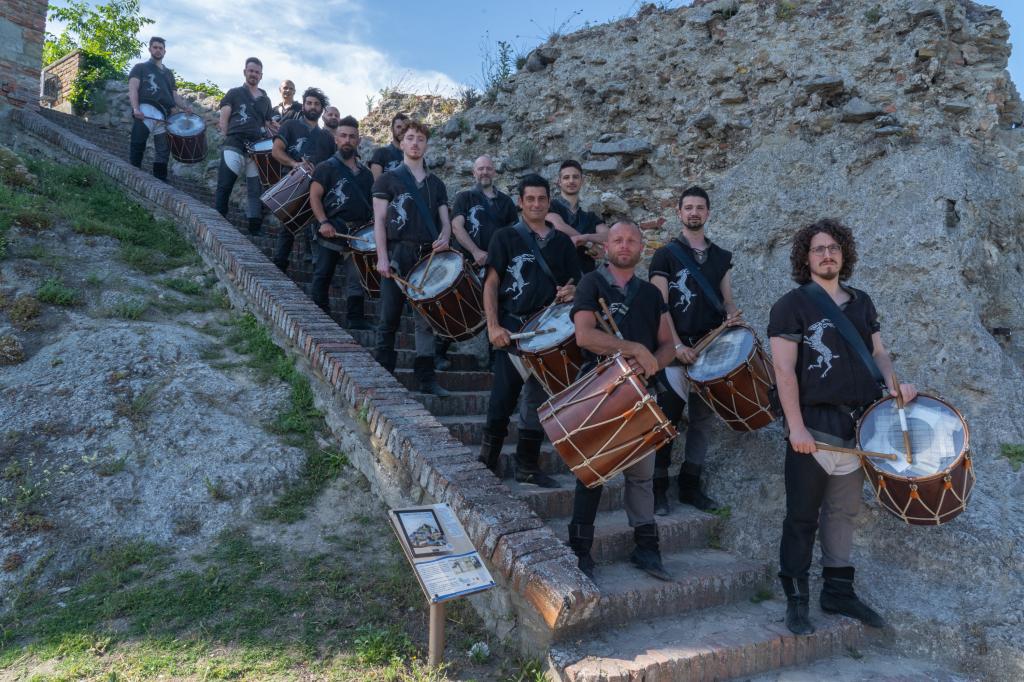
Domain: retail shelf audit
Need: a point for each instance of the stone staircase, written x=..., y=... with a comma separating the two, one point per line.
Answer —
x=718, y=620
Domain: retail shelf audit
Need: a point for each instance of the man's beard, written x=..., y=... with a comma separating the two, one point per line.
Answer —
x=330, y=124
x=625, y=262
x=347, y=152
x=485, y=183
x=311, y=115
x=693, y=225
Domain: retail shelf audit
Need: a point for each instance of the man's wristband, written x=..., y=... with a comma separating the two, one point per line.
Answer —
x=679, y=345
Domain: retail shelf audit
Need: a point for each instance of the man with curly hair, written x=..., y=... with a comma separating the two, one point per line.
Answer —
x=824, y=386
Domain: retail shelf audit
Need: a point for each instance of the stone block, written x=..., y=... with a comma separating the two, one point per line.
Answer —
x=824, y=84
x=604, y=166
x=627, y=146
x=858, y=110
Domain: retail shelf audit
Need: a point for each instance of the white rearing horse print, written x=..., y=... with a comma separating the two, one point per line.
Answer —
x=401, y=217
x=516, y=270
x=685, y=295
x=825, y=354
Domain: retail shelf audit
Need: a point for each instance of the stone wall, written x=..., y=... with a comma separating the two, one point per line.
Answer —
x=64, y=70
x=22, y=23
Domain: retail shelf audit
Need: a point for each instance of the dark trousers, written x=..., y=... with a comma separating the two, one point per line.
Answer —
x=325, y=265
x=638, y=496
x=699, y=419
x=507, y=388
x=813, y=499
x=137, y=145
x=284, y=244
x=392, y=300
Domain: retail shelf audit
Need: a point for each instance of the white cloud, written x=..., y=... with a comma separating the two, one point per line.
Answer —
x=312, y=44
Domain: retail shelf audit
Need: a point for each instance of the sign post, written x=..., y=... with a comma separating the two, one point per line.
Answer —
x=444, y=561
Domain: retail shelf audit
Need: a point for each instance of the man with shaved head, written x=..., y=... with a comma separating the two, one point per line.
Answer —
x=332, y=117
x=646, y=328
x=287, y=108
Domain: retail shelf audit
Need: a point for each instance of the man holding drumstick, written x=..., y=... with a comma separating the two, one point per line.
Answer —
x=829, y=361
x=153, y=94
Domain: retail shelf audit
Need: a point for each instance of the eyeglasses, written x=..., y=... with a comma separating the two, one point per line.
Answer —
x=831, y=248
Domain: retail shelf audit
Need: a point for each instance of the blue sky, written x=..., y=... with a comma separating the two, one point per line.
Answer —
x=354, y=48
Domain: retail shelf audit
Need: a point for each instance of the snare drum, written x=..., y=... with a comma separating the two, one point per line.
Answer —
x=451, y=297
x=937, y=485
x=364, y=256
x=605, y=422
x=186, y=134
x=553, y=357
x=733, y=376
x=289, y=199
x=269, y=169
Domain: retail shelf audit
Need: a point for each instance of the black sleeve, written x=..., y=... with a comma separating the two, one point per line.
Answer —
x=136, y=72
x=268, y=107
x=727, y=260
x=285, y=134
x=872, y=315
x=383, y=188
x=378, y=157
x=571, y=261
x=586, y=297
x=561, y=210
x=497, y=251
x=442, y=194
x=172, y=81
x=228, y=100
x=660, y=264
x=508, y=214
x=461, y=205
x=784, y=321
x=322, y=174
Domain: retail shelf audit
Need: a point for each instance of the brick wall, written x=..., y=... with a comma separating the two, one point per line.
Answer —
x=22, y=23
x=65, y=70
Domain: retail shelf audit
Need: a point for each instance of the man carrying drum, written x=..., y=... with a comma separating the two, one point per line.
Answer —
x=569, y=217
x=340, y=196
x=641, y=318
x=410, y=219
x=245, y=117
x=153, y=94
x=529, y=266
x=390, y=157
x=692, y=275
x=477, y=213
x=301, y=142
x=826, y=347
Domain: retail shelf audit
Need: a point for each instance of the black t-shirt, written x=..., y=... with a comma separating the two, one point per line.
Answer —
x=156, y=85
x=692, y=314
x=388, y=157
x=524, y=288
x=639, y=322
x=484, y=216
x=404, y=222
x=249, y=116
x=584, y=222
x=303, y=143
x=284, y=113
x=828, y=371
x=346, y=197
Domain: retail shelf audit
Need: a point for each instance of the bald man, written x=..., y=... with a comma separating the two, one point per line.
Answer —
x=332, y=117
x=287, y=108
x=480, y=211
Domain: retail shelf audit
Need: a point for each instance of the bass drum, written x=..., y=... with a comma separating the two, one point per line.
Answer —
x=269, y=169
x=935, y=486
x=364, y=256
x=448, y=295
x=289, y=199
x=186, y=134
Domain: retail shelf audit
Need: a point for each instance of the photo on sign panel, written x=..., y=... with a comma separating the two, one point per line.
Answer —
x=423, y=532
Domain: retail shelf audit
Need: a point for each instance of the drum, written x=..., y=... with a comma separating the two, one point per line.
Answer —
x=269, y=169
x=364, y=256
x=450, y=296
x=186, y=134
x=605, y=422
x=288, y=199
x=936, y=486
x=553, y=357
x=733, y=376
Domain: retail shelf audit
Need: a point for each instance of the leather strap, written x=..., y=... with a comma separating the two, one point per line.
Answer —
x=691, y=266
x=828, y=307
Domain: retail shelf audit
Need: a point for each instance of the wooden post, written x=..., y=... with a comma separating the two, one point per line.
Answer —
x=435, y=651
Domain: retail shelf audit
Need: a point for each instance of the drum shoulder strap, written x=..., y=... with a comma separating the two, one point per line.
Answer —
x=695, y=272
x=607, y=287
x=524, y=233
x=828, y=307
x=405, y=175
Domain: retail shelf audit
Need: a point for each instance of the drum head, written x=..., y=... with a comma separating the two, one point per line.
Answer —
x=263, y=146
x=555, y=318
x=185, y=125
x=938, y=436
x=445, y=268
x=364, y=240
x=727, y=352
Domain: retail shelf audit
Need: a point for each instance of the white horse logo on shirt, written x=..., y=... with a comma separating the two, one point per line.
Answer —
x=685, y=295
x=474, y=222
x=402, y=218
x=243, y=115
x=153, y=87
x=516, y=270
x=338, y=192
x=825, y=354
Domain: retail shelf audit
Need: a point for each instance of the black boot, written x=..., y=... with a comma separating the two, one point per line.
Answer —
x=689, y=488
x=490, y=448
x=160, y=171
x=646, y=555
x=581, y=539
x=386, y=358
x=423, y=369
x=837, y=596
x=355, y=318
x=441, y=361
x=255, y=226
x=527, y=460
x=797, y=605
x=661, y=504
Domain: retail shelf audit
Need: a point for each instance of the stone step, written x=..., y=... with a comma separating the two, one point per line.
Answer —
x=704, y=578
x=460, y=404
x=556, y=503
x=684, y=528
x=368, y=338
x=461, y=362
x=877, y=667
x=723, y=643
x=454, y=381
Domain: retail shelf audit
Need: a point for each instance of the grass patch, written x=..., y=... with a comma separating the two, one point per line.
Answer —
x=184, y=286
x=24, y=310
x=55, y=292
x=761, y=595
x=128, y=310
x=111, y=467
x=248, y=337
x=1014, y=453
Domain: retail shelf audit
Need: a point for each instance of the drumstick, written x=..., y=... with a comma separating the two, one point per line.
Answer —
x=854, y=451
x=530, y=335
x=900, y=405
x=427, y=269
x=608, y=314
x=600, y=321
x=706, y=340
x=406, y=283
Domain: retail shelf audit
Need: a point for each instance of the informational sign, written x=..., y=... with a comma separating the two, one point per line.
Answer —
x=442, y=556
